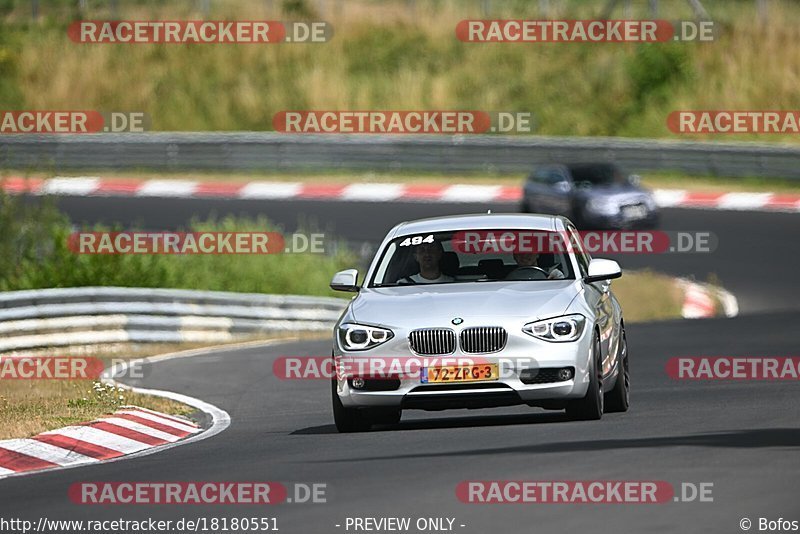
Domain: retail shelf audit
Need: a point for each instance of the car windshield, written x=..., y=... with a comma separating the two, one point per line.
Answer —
x=597, y=175
x=474, y=256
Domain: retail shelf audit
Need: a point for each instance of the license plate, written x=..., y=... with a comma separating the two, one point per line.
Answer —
x=634, y=212
x=459, y=373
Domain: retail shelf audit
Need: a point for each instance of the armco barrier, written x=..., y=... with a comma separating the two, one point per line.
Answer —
x=269, y=151
x=93, y=315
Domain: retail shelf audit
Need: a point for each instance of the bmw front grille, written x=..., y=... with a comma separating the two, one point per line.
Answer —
x=433, y=341
x=483, y=339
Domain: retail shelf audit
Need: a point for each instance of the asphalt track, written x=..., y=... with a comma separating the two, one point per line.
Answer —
x=743, y=437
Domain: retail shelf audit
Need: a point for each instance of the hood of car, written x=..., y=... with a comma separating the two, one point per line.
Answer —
x=619, y=193
x=476, y=303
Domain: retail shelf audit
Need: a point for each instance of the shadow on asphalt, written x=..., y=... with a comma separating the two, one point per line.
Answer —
x=451, y=422
x=739, y=439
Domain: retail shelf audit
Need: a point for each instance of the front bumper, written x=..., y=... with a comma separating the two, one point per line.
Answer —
x=522, y=356
x=594, y=221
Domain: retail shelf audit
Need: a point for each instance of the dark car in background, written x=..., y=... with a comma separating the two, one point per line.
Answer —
x=592, y=195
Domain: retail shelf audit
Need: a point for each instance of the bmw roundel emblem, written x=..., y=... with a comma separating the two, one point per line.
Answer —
x=457, y=320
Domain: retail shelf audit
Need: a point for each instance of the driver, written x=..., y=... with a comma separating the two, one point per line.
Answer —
x=429, y=257
x=530, y=259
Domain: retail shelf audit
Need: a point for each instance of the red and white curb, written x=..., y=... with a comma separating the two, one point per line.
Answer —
x=129, y=430
x=365, y=192
x=699, y=300
x=101, y=438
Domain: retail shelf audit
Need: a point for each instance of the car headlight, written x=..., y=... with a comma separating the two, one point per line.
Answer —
x=557, y=329
x=602, y=206
x=362, y=337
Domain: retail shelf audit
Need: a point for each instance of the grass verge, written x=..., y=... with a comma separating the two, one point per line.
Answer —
x=400, y=55
x=28, y=407
x=648, y=296
x=34, y=253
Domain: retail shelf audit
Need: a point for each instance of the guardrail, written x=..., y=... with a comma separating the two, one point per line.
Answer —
x=98, y=315
x=269, y=151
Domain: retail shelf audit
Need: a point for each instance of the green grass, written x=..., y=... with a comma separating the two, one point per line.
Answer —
x=394, y=55
x=648, y=296
x=28, y=407
x=34, y=254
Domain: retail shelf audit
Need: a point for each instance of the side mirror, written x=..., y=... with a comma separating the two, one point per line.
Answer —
x=345, y=281
x=635, y=179
x=600, y=269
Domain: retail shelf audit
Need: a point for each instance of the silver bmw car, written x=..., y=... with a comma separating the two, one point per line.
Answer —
x=479, y=311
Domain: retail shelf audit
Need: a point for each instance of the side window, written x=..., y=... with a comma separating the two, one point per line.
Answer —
x=538, y=177
x=554, y=177
x=577, y=245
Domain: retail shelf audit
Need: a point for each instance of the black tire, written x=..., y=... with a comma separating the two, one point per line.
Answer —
x=618, y=399
x=590, y=407
x=347, y=419
x=524, y=207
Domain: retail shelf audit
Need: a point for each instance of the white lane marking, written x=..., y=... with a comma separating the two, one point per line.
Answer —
x=372, y=192
x=743, y=201
x=160, y=420
x=167, y=188
x=470, y=193
x=666, y=198
x=46, y=452
x=270, y=190
x=139, y=427
x=78, y=186
x=95, y=436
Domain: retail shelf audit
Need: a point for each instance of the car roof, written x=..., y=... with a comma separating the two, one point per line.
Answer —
x=484, y=221
x=590, y=165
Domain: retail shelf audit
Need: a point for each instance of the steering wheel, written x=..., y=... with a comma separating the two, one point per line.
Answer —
x=527, y=272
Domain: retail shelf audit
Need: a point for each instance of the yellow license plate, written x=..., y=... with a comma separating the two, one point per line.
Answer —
x=460, y=373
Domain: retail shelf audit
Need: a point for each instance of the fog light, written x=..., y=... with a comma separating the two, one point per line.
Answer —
x=358, y=383
x=565, y=374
